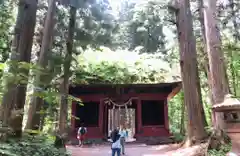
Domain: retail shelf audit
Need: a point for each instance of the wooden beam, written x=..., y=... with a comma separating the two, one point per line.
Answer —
x=174, y=92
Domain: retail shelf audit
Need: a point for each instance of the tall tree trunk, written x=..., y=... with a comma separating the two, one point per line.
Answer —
x=8, y=100
x=15, y=96
x=200, y=98
x=67, y=64
x=203, y=40
x=33, y=120
x=219, y=81
x=205, y=64
x=189, y=69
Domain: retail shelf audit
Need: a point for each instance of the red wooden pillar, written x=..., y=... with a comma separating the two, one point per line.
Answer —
x=139, y=115
x=100, y=120
x=105, y=120
x=166, y=115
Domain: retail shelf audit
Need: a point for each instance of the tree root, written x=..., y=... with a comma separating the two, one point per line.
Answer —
x=214, y=141
x=4, y=133
x=217, y=139
x=188, y=142
x=60, y=140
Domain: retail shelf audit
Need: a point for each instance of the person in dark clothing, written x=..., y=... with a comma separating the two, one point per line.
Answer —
x=116, y=145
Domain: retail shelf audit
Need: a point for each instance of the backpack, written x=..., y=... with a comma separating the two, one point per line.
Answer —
x=82, y=130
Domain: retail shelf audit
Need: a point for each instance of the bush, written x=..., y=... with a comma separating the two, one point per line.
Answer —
x=177, y=137
x=31, y=146
x=224, y=149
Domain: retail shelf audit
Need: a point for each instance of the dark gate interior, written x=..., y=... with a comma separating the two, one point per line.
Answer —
x=87, y=114
x=152, y=112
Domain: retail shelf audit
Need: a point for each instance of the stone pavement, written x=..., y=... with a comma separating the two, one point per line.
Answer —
x=131, y=150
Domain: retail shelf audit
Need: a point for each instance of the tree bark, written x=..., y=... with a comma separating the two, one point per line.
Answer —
x=33, y=121
x=8, y=100
x=67, y=73
x=219, y=80
x=205, y=63
x=200, y=97
x=189, y=69
x=14, y=98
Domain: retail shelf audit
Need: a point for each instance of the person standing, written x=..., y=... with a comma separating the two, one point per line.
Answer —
x=81, y=134
x=123, y=136
x=116, y=145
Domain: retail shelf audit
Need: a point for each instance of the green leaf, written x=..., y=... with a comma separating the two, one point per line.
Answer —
x=2, y=66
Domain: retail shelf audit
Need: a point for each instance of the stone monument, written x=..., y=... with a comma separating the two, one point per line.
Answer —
x=231, y=109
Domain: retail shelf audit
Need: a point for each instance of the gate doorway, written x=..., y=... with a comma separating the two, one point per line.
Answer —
x=122, y=118
x=124, y=115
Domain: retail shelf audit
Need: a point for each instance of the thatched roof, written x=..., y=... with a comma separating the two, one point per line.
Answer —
x=168, y=88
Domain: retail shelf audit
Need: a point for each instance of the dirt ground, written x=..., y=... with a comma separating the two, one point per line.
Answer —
x=131, y=150
x=138, y=150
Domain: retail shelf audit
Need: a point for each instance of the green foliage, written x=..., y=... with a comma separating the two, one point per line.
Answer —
x=221, y=152
x=232, y=57
x=141, y=24
x=178, y=137
x=6, y=22
x=14, y=72
x=175, y=112
x=94, y=66
x=29, y=145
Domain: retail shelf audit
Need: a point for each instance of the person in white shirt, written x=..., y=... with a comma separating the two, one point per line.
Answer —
x=116, y=145
x=123, y=136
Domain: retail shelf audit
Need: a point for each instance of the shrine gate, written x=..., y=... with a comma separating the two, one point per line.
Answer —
x=144, y=107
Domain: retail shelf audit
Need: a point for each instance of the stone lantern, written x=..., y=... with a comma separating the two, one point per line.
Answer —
x=231, y=109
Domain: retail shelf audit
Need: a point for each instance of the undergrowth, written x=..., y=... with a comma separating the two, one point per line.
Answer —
x=221, y=152
x=31, y=146
x=177, y=137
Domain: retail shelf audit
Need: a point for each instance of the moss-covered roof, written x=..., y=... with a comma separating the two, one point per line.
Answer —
x=229, y=104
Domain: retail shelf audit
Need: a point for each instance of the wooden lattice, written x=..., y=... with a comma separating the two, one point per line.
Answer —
x=233, y=116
